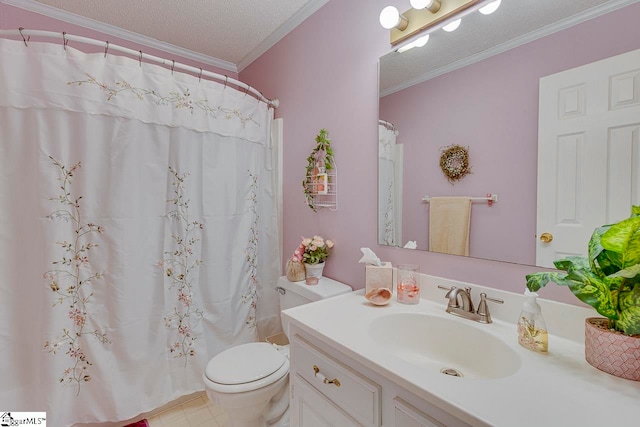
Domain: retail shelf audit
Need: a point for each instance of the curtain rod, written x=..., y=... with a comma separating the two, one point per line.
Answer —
x=65, y=38
x=390, y=126
x=387, y=124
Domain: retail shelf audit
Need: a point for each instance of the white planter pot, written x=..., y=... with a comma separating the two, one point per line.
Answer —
x=314, y=270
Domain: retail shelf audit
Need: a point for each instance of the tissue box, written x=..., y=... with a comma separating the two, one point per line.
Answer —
x=379, y=277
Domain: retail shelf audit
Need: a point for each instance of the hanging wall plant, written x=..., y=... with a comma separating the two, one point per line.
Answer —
x=319, y=162
x=454, y=162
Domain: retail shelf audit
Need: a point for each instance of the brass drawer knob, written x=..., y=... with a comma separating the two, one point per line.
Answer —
x=324, y=379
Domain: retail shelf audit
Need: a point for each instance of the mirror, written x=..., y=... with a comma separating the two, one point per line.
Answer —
x=478, y=87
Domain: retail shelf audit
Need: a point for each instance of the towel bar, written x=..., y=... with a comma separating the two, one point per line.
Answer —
x=489, y=198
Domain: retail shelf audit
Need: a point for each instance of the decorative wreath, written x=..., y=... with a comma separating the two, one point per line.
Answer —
x=454, y=162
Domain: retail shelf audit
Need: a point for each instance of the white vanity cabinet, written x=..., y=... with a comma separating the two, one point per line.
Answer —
x=389, y=382
x=328, y=388
x=324, y=389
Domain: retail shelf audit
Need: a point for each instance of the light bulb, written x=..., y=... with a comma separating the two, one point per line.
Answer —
x=419, y=4
x=389, y=17
x=422, y=41
x=406, y=48
x=416, y=43
x=452, y=26
x=431, y=5
x=490, y=7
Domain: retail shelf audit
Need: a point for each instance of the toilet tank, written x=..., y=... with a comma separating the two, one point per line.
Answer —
x=293, y=294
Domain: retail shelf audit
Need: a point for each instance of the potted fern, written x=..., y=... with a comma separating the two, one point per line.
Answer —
x=319, y=162
x=609, y=281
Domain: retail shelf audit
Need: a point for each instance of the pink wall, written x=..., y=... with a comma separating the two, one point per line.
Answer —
x=469, y=107
x=325, y=75
x=492, y=107
x=12, y=18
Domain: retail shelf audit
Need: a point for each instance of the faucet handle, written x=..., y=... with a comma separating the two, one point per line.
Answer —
x=449, y=290
x=483, y=308
x=453, y=301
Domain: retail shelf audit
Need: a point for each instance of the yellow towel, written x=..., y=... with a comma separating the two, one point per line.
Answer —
x=449, y=220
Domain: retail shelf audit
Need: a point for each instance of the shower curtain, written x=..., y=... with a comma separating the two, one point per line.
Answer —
x=390, y=169
x=138, y=231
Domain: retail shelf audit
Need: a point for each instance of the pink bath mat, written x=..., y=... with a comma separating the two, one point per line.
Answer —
x=141, y=423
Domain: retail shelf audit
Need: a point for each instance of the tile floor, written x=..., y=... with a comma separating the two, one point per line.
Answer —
x=196, y=412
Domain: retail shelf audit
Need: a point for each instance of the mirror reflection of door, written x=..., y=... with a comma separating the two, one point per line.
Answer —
x=464, y=88
x=390, y=170
x=588, y=153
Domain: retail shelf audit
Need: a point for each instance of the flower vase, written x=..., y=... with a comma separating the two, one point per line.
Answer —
x=313, y=271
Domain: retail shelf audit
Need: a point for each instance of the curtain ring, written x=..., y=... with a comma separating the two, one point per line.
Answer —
x=226, y=78
x=140, y=58
x=172, y=66
x=247, y=90
x=64, y=40
x=200, y=76
x=23, y=39
x=106, y=48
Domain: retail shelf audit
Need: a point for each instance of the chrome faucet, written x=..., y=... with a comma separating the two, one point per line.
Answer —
x=466, y=310
x=465, y=296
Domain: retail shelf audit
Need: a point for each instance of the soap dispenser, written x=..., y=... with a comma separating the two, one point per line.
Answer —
x=532, y=330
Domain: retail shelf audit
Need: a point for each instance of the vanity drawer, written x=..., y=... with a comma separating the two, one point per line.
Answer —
x=407, y=415
x=356, y=395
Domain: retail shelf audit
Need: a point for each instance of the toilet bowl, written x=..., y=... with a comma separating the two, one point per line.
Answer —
x=251, y=381
x=247, y=381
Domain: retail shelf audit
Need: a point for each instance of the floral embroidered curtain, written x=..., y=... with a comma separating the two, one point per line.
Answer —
x=138, y=231
x=390, y=164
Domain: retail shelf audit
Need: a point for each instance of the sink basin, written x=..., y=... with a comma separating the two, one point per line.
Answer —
x=446, y=345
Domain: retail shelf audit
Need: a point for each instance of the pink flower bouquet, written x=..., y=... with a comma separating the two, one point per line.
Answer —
x=313, y=250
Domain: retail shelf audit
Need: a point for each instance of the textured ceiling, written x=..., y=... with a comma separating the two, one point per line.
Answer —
x=238, y=31
x=479, y=34
x=229, y=30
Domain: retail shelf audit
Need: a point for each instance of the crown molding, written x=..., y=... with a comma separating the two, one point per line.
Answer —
x=307, y=10
x=511, y=44
x=112, y=30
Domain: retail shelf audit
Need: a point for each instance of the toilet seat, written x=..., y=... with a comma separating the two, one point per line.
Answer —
x=246, y=367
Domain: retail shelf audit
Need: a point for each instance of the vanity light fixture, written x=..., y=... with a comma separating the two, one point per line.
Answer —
x=433, y=13
x=427, y=15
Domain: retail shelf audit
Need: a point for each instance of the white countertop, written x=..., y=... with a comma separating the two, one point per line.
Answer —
x=555, y=389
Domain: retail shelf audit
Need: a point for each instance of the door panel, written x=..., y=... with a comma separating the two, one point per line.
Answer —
x=588, y=160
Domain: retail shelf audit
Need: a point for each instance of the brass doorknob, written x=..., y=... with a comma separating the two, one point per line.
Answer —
x=546, y=237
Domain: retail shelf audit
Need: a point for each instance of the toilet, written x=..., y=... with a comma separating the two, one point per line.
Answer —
x=251, y=381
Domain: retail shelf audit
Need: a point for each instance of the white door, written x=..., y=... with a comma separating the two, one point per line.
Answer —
x=588, y=153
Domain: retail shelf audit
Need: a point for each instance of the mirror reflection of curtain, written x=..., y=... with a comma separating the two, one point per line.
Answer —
x=139, y=231
x=390, y=165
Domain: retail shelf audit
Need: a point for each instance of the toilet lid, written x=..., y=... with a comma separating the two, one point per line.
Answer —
x=244, y=364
